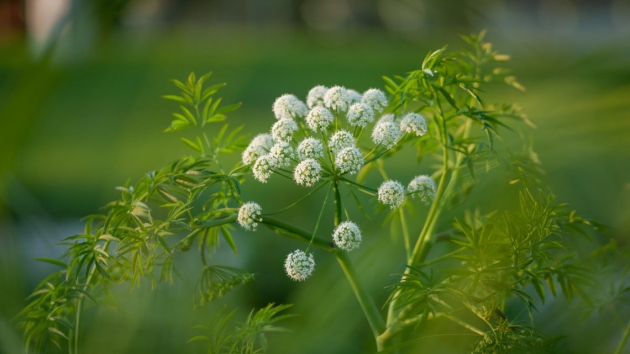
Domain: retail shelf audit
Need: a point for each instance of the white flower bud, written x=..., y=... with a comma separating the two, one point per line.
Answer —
x=391, y=193
x=375, y=98
x=259, y=146
x=288, y=107
x=281, y=154
x=249, y=216
x=310, y=148
x=347, y=236
x=299, y=266
x=386, y=134
x=337, y=99
x=315, y=96
x=263, y=168
x=319, y=118
x=349, y=160
x=307, y=172
x=360, y=115
x=284, y=129
x=414, y=123
x=423, y=187
x=341, y=140
x=354, y=96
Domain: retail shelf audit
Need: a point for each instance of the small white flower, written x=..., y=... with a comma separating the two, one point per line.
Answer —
x=307, y=172
x=259, y=146
x=299, y=266
x=375, y=98
x=288, y=106
x=428, y=71
x=340, y=140
x=249, y=216
x=391, y=193
x=337, y=98
x=360, y=115
x=386, y=133
x=310, y=148
x=319, y=118
x=349, y=160
x=315, y=96
x=414, y=123
x=354, y=96
x=281, y=154
x=423, y=187
x=263, y=168
x=347, y=236
x=284, y=129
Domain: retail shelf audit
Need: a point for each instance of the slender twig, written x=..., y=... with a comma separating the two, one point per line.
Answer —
x=624, y=339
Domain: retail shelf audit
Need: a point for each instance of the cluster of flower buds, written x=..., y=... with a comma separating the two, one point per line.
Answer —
x=319, y=140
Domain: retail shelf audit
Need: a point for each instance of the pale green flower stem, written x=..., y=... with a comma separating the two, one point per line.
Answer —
x=624, y=339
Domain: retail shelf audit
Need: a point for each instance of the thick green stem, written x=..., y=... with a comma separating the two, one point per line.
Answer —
x=624, y=339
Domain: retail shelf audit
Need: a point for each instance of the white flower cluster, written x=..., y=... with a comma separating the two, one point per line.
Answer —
x=259, y=146
x=299, y=266
x=310, y=148
x=315, y=96
x=391, y=193
x=284, y=129
x=423, y=187
x=288, y=107
x=386, y=134
x=319, y=118
x=249, y=216
x=360, y=115
x=414, y=123
x=337, y=98
x=375, y=99
x=340, y=140
x=263, y=168
x=349, y=160
x=307, y=172
x=347, y=236
x=281, y=154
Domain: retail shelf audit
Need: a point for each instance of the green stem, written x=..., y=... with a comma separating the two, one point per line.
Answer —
x=624, y=339
x=217, y=222
x=300, y=233
x=405, y=232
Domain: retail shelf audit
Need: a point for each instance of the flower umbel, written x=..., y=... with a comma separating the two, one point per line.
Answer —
x=349, y=160
x=414, y=123
x=337, y=98
x=310, y=148
x=299, y=266
x=360, y=114
x=423, y=187
x=281, y=154
x=319, y=118
x=249, y=215
x=375, y=98
x=341, y=140
x=284, y=129
x=288, y=106
x=347, y=236
x=263, y=168
x=391, y=193
x=307, y=172
x=259, y=146
x=315, y=96
x=386, y=133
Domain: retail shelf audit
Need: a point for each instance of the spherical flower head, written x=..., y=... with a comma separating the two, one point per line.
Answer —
x=349, y=160
x=375, y=98
x=249, y=216
x=391, y=193
x=307, y=173
x=310, y=148
x=414, y=123
x=315, y=96
x=347, y=236
x=360, y=114
x=341, y=140
x=299, y=266
x=281, y=154
x=354, y=96
x=386, y=133
x=288, y=107
x=284, y=129
x=263, y=168
x=423, y=187
x=337, y=99
x=319, y=118
x=259, y=146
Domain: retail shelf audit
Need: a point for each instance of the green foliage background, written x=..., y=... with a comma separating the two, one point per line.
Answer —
x=72, y=131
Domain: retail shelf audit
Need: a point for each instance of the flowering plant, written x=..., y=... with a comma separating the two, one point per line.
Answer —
x=337, y=141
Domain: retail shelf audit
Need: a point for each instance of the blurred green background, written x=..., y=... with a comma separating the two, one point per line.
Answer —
x=80, y=107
